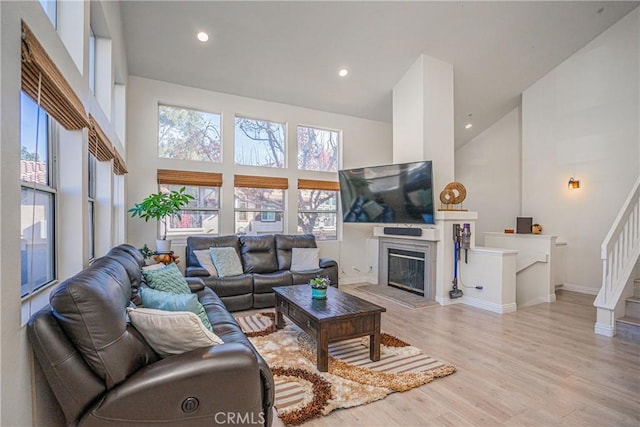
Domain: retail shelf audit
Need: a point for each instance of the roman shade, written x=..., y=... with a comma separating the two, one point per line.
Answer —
x=181, y=177
x=251, y=181
x=314, y=184
x=40, y=76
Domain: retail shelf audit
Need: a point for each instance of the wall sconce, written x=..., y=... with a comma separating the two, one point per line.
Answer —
x=573, y=183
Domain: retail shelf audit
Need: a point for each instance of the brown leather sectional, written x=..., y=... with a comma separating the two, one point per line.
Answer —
x=103, y=373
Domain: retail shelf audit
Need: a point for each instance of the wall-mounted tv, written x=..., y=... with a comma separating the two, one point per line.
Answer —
x=401, y=194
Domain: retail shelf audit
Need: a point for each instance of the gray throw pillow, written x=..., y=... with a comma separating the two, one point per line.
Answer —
x=226, y=261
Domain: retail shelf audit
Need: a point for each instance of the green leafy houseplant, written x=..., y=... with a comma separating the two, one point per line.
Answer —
x=162, y=206
x=319, y=282
x=146, y=252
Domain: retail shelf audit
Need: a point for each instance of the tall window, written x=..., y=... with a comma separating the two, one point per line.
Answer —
x=186, y=134
x=37, y=209
x=51, y=9
x=260, y=143
x=91, y=209
x=318, y=149
x=318, y=208
x=200, y=216
x=92, y=61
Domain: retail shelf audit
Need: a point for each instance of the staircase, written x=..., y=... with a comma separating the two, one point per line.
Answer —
x=620, y=255
x=628, y=326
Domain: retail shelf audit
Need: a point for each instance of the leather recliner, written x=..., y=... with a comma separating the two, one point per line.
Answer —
x=103, y=373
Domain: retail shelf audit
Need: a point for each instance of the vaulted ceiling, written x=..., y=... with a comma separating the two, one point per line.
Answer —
x=291, y=51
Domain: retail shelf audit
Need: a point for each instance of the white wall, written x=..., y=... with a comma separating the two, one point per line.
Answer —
x=489, y=168
x=365, y=143
x=581, y=120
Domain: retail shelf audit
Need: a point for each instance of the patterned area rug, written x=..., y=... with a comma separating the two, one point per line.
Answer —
x=304, y=393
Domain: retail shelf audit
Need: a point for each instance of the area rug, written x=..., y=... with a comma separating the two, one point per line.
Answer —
x=304, y=393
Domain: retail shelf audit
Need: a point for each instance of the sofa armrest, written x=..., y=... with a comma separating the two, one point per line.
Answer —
x=195, y=283
x=196, y=272
x=187, y=389
x=327, y=262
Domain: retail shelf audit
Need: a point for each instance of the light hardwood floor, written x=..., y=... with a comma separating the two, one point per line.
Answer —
x=540, y=366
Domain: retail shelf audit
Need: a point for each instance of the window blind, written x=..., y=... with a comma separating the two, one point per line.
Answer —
x=99, y=144
x=56, y=95
x=251, y=181
x=119, y=167
x=181, y=177
x=314, y=184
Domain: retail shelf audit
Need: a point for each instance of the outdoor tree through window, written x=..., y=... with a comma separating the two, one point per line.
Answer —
x=186, y=134
x=259, y=143
x=317, y=149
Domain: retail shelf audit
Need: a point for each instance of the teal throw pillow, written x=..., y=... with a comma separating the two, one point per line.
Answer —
x=167, y=279
x=167, y=301
x=170, y=279
x=226, y=261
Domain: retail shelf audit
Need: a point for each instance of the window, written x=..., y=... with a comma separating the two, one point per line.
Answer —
x=260, y=143
x=51, y=9
x=37, y=209
x=317, y=149
x=318, y=208
x=259, y=210
x=91, y=211
x=186, y=134
x=200, y=216
x=92, y=61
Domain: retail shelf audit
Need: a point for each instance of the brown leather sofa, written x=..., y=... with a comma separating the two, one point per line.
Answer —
x=266, y=262
x=103, y=373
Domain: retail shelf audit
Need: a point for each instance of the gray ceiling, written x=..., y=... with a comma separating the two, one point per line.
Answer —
x=290, y=52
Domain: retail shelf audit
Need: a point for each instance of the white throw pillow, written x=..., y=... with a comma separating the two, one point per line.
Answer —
x=204, y=258
x=303, y=259
x=172, y=332
x=151, y=267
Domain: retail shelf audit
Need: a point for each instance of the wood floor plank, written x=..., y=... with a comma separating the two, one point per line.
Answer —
x=539, y=366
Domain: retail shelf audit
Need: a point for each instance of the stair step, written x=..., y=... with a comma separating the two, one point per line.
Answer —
x=632, y=307
x=629, y=320
x=628, y=328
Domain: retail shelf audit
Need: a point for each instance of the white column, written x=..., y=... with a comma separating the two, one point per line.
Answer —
x=423, y=118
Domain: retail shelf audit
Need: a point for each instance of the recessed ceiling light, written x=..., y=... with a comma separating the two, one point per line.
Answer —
x=202, y=36
x=468, y=126
x=343, y=72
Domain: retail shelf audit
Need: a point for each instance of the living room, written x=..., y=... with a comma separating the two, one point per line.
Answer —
x=579, y=119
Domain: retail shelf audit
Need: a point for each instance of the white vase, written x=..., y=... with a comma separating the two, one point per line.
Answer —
x=163, y=246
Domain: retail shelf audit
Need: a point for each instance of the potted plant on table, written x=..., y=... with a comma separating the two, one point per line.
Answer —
x=319, y=287
x=162, y=206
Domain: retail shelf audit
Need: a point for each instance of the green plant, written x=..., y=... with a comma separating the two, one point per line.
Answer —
x=162, y=206
x=146, y=252
x=319, y=282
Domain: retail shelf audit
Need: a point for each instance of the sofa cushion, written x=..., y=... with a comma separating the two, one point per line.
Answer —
x=206, y=242
x=284, y=244
x=303, y=259
x=160, y=300
x=226, y=261
x=172, y=332
x=258, y=254
x=204, y=258
x=303, y=277
x=91, y=309
x=264, y=283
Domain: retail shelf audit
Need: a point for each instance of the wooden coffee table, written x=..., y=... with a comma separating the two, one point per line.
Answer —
x=338, y=317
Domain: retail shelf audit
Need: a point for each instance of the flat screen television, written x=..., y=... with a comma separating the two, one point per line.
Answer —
x=400, y=194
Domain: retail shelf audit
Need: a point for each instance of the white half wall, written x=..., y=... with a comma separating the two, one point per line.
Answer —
x=581, y=120
x=489, y=168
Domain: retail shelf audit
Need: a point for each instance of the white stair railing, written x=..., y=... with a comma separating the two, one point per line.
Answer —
x=620, y=252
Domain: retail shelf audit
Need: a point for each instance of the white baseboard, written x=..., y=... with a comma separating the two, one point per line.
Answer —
x=447, y=301
x=490, y=306
x=551, y=298
x=580, y=289
x=606, y=330
x=352, y=280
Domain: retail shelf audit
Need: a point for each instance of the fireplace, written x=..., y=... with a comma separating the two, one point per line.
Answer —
x=408, y=265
